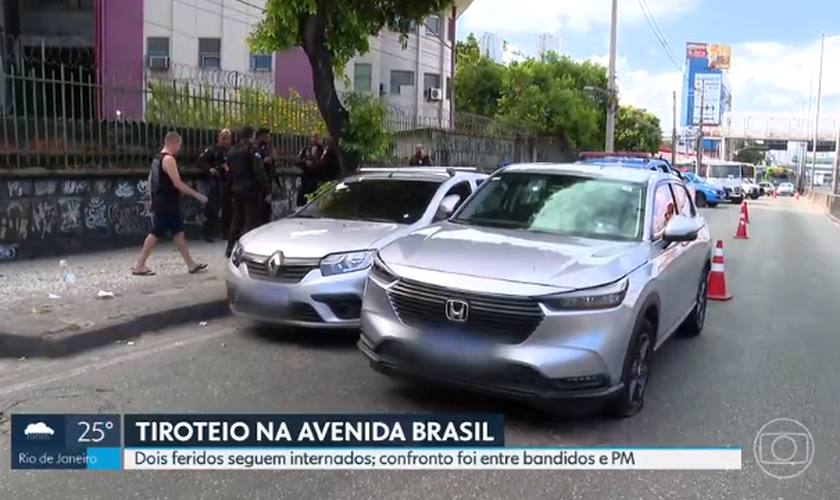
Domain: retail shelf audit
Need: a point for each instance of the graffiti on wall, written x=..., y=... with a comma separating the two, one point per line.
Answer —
x=45, y=213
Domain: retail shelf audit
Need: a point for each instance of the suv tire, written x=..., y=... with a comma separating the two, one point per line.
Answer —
x=636, y=373
x=696, y=321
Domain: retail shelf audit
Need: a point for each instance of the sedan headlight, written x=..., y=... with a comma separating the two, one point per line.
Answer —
x=237, y=255
x=602, y=297
x=347, y=262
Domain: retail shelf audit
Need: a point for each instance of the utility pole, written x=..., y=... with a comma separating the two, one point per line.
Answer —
x=699, y=150
x=612, y=101
x=835, y=170
x=674, y=129
x=817, y=118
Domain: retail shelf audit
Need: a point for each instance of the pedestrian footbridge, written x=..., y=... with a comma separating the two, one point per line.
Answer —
x=775, y=128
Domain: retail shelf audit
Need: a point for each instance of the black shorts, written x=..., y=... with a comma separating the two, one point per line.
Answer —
x=166, y=223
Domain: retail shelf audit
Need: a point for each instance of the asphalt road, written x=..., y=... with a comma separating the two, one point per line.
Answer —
x=771, y=352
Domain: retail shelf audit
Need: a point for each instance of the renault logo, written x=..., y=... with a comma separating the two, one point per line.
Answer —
x=457, y=310
x=275, y=263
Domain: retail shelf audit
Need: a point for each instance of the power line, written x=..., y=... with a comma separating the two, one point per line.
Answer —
x=657, y=33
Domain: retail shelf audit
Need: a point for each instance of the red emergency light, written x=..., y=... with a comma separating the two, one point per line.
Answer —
x=615, y=154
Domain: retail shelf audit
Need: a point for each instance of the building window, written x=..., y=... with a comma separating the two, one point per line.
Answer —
x=433, y=25
x=157, y=46
x=261, y=62
x=448, y=87
x=362, y=77
x=210, y=53
x=399, y=79
x=431, y=81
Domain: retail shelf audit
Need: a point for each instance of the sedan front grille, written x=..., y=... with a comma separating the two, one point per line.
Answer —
x=502, y=318
x=292, y=271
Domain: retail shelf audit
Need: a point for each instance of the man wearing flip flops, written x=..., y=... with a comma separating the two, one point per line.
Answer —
x=166, y=188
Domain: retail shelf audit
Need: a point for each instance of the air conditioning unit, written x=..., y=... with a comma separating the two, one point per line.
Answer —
x=211, y=62
x=435, y=94
x=157, y=63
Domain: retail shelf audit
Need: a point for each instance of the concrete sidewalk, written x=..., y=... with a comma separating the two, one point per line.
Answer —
x=43, y=316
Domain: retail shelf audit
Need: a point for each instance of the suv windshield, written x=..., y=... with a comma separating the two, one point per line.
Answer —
x=378, y=200
x=559, y=204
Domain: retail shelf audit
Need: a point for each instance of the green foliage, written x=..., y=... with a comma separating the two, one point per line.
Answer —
x=553, y=95
x=197, y=106
x=330, y=33
x=776, y=171
x=365, y=133
x=322, y=187
x=751, y=154
x=637, y=130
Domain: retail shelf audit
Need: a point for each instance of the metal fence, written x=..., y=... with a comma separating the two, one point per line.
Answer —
x=59, y=111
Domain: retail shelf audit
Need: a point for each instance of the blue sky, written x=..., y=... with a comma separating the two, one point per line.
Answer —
x=775, y=46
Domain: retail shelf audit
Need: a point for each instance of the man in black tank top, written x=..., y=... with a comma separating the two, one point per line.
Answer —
x=166, y=188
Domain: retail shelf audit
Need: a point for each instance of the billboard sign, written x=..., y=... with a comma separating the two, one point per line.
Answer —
x=710, y=84
x=696, y=50
x=720, y=56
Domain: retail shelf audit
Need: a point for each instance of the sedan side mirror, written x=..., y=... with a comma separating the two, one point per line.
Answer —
x=447, y=206
x=680, y=229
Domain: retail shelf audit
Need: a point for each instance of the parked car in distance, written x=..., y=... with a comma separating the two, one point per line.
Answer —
x=553, y=284
x=309, y=269
x=705, y=194
x=767, y=188
x=750, y=189
x=785, y=189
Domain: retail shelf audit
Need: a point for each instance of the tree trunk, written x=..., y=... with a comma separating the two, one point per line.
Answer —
x=332, y=110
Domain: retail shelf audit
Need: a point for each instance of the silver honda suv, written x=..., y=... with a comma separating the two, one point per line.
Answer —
x=552, y=283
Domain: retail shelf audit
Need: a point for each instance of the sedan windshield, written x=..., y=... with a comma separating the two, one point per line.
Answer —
x=377, y=200
x=559, y=204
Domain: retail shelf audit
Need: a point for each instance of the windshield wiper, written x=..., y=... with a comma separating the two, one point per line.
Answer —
x=490, y=223
x=375, y=219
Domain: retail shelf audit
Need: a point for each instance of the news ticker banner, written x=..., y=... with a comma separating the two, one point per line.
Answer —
x=317, y=442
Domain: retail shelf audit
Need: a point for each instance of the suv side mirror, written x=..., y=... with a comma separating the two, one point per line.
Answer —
x=680, y=229
x=447, y=206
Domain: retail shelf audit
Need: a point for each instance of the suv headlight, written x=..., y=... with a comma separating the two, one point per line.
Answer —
x=237, y=255
x=602, y=297
x=346, y=262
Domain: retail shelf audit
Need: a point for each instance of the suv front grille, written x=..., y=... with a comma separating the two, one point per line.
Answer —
x=502, y=318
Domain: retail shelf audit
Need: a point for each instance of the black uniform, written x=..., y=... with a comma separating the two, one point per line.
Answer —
x=218, y=196
x=271, y=174
x=310, y=177
x=249, y=187
x=420, y=160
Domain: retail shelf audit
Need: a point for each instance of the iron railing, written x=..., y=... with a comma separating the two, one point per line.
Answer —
x=58, y=110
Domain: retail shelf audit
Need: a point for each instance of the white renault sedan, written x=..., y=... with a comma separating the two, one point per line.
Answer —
x=309, y=270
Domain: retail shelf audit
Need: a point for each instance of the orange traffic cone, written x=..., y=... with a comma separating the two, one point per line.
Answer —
x=717, y=276
x=745, y=211
x=774, y=194
x=741, y=232
x=797, y=195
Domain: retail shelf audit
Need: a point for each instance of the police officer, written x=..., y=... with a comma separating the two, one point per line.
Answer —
x=265, y=150
x=249, y=186
x=213, y=161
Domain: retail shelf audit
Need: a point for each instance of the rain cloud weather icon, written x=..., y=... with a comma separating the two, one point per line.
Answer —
x=38, y=430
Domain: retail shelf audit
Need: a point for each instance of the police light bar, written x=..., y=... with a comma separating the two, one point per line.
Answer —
x=614, y=154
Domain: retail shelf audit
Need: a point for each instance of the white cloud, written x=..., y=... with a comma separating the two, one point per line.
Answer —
x=526, y=17
x=767, y=78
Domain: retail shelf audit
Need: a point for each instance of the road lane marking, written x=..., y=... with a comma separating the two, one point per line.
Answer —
x=198, y=337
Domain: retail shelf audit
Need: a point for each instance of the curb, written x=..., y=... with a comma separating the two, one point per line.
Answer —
x=63, y=344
